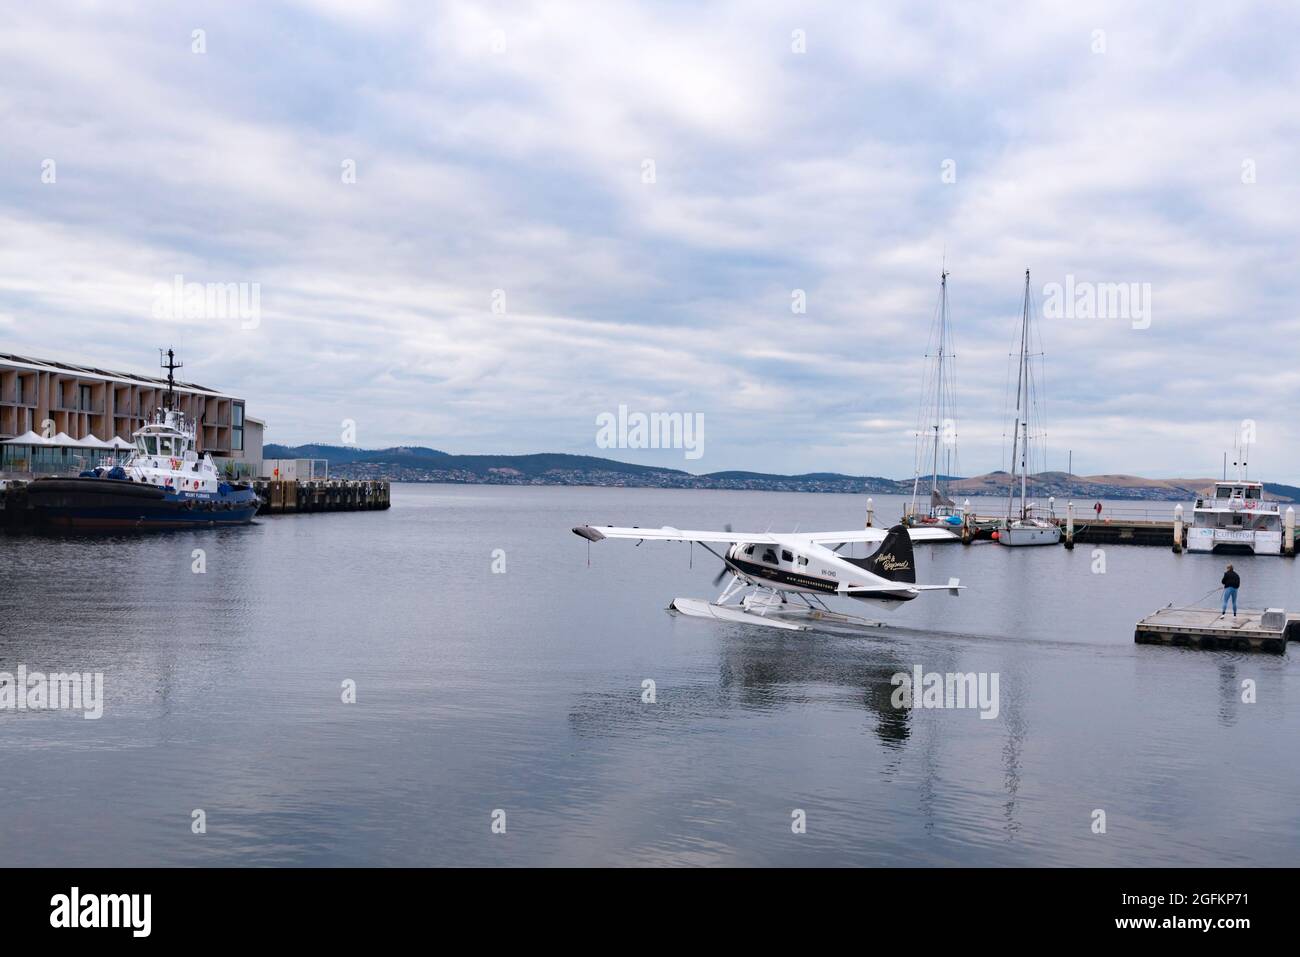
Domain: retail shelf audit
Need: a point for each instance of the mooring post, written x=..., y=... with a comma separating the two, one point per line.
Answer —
x=1178, y=529
x=1069, y=524
x=871, y=511
x=967, y=533
x=1288, y=537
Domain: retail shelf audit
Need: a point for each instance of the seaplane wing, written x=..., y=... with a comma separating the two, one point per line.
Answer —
x=596, y=533
x=868, y=535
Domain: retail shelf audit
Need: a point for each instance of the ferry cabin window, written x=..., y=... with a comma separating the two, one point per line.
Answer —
x=1252, y=493
x=769, y=556
x=1223, y=491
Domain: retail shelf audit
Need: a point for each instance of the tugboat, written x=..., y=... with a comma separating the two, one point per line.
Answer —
x=162, y=484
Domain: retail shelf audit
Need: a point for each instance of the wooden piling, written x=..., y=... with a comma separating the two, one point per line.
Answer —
x=283, y=496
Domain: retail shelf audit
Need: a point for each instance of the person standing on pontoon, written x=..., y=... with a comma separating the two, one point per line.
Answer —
x=1231, y=582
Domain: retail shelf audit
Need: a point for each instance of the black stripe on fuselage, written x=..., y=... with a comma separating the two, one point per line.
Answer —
x=780, y=576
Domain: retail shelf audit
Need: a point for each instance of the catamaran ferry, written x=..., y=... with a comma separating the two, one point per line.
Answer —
x=1235, y=517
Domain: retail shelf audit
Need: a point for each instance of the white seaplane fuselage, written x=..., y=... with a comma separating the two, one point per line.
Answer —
x=794, y=565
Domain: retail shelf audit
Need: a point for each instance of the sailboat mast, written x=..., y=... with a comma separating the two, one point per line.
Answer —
x=939, y=394
x=1024, y=370
x=1017, y=447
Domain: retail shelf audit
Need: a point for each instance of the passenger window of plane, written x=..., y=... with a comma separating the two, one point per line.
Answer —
x=786, y=556
x=769, y=556
x=802, y=560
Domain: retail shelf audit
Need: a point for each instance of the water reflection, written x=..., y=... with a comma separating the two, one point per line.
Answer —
x=524, y=691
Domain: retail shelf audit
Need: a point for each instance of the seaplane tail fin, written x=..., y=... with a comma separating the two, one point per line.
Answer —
x=893, y=560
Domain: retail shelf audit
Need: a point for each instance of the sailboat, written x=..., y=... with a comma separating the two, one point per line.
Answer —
x=1021, y=526
x=936, y=430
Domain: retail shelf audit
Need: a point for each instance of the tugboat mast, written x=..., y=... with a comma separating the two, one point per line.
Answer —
x=168, y=361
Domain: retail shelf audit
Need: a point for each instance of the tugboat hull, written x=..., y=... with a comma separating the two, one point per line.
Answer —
x=108, y=504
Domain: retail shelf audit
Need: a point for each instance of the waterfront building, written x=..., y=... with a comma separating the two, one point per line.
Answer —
x=71, y=412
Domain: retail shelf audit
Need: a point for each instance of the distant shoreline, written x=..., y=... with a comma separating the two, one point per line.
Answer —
x=431, y=466
x=1079, y=500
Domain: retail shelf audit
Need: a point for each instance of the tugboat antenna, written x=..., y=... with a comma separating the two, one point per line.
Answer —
x=168, y=361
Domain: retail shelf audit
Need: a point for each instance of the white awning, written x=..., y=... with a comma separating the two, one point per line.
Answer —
x=117, y=442
x=28, y=438
x=93, y=442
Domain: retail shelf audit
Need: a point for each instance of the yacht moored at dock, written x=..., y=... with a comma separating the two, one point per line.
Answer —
x=936, y=430
x=1022, y=526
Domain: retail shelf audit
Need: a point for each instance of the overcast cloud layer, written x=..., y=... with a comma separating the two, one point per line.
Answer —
x=503, y=147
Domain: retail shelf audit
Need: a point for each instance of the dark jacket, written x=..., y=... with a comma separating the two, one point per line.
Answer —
x=1231, y=580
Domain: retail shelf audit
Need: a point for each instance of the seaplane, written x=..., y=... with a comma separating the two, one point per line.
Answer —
x=781, y=580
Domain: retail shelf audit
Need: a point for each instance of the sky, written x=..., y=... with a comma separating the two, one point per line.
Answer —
x=480, y=226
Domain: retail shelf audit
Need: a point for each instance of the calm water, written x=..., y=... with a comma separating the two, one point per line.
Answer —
x=522, y=691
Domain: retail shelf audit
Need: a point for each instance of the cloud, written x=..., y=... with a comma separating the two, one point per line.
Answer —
x=500, y=272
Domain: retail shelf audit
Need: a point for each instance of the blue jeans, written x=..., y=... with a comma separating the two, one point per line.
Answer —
x=1229, y=592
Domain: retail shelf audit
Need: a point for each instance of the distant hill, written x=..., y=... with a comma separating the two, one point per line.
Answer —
x=339, y=453
x=1062, y=484
x=421, y=464
x=1284, y=493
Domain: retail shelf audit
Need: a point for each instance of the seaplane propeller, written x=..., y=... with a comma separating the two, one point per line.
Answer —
x=725, y=570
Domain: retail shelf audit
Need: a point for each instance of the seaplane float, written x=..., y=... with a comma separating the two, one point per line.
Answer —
x=781, y=580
